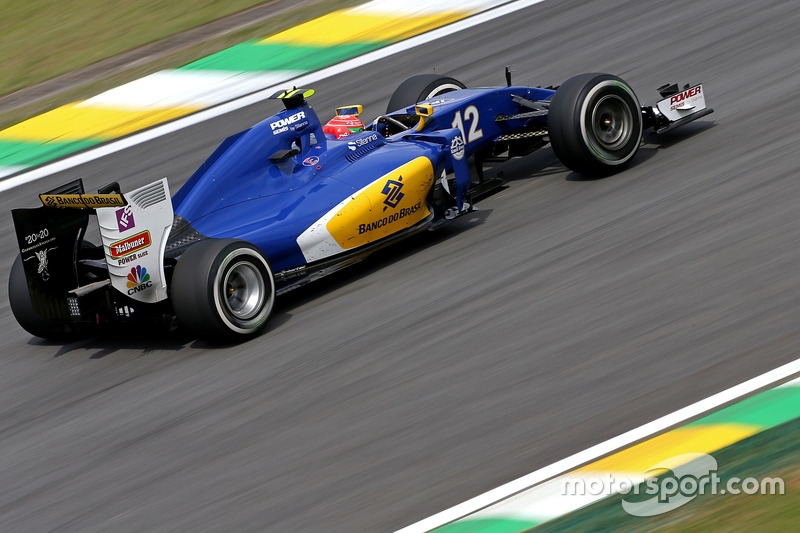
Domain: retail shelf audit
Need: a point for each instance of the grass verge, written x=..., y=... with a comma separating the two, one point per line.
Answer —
x=41, y=39
x=177, y=59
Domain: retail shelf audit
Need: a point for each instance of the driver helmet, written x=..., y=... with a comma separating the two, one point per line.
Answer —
x=343, y=125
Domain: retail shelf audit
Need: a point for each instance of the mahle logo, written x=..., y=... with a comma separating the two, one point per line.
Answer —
x=138, y=280
x=392, y=192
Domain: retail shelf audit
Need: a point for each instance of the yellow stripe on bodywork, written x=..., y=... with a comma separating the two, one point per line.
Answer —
x=73, y=123
x=697, y=439
x=391, y=203
x=342, y=27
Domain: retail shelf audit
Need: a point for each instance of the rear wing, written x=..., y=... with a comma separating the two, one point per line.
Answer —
x=135, y=239
x=134, y=228
x=49, y=240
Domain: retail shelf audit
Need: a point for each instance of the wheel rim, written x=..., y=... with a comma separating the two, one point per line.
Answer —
x=442, y=89
x=611, y=122
x=244, y=290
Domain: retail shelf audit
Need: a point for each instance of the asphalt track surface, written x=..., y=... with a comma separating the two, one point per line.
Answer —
x=564, y=312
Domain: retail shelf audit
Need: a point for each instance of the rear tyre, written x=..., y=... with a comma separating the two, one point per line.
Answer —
x=421, y=87
x=595, y=124
x=22, y=307
x=223, y=290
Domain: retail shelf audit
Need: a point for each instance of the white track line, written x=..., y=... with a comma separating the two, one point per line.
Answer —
x=187, y=87
x=8, y=170
x=604, y=448
x=201, y=116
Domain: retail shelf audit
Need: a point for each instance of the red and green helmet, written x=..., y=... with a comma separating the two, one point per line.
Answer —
x=346, y=122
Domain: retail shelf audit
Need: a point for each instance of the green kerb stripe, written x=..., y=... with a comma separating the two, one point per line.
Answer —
x=17, y=153
x=252, y=57
x=488, y=525
x=770, y=408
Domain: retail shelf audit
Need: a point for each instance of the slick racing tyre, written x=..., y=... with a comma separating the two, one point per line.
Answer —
x=22, y=307
x=421, y=87
x=595, y=124
x=223, y=290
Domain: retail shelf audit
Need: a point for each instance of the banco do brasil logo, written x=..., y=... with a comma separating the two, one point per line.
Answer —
x=392, y=192
x=138, y=279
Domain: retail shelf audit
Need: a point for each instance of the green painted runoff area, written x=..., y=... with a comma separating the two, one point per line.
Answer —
x=13, y=153
x=252, y=57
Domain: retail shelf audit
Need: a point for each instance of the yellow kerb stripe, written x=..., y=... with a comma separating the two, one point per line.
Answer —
x=695, y=439
x=347, y=28
x=70, y=123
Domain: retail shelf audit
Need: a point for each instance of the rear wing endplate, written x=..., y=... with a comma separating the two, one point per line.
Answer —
x=135, y=239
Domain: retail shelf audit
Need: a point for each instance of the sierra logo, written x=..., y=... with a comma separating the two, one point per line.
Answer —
x=130, y=245
x=279, y=126
x=138, y=280
x=680, y=97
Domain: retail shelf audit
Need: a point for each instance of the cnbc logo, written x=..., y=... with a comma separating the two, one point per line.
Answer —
x=138, y=280
x=392, y=192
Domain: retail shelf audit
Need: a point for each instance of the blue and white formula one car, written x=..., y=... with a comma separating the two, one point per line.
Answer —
x=281, y=204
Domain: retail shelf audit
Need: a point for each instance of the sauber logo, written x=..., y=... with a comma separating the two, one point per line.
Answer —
x=680, y=97
x=279, y=126
x=392, y=192
x=130, y=245
x=457, y=147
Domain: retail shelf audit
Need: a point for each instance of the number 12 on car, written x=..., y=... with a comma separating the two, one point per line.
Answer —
x=471, y=116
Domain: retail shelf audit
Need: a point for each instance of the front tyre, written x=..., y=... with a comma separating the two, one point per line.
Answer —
x=223, y=290
x=595, y=124
x=421, y=87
